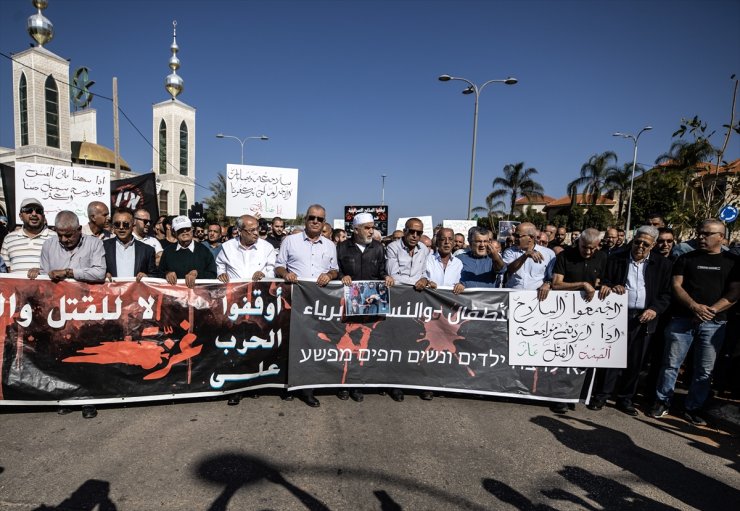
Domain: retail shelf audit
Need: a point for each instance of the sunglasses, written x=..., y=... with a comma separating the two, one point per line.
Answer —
x=184, y=229
x=641, y=243
x=144, y=220
x=314, y=218
x=414, y=232
x=121, y=225
x=33, y=209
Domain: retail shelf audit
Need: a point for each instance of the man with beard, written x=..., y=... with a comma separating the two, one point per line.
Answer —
x=308, y=255
x=213, y=237
x=142, y=227
x=361, y=258
x=706, y=283
x=21, y=250
x=277, y=232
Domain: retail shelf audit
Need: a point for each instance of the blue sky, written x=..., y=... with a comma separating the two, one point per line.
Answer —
x=348, y=90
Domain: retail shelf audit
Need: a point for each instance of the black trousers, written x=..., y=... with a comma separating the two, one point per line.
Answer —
x=624, y=382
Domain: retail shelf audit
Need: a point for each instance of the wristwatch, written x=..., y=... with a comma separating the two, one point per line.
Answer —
x=69, y=273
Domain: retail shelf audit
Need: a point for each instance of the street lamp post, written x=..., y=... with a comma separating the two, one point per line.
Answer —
x=382, y=197
x=242, y=141
x=634, y=164
x=474, y=89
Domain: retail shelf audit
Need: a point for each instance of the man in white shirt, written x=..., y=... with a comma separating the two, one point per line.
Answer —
x=142, y=226
x=443, y=268
x=99, y=216
x=21, y=248
x=248, y=256
x=528, y=264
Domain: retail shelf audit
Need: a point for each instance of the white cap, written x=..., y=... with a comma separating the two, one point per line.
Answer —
x=181, y=222
x=362, y=218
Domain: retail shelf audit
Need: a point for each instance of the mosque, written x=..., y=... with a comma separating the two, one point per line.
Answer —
x=48, y=132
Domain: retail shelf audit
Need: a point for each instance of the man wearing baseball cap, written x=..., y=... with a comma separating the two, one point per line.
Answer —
x=186, y=259
x=21, y=249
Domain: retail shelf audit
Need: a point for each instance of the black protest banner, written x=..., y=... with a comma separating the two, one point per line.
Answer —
x=74, y=342
x=7, y=179
x=136, y=192
x=432, y=340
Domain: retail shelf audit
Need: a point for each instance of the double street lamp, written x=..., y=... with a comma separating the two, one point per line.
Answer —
x=634, y=164
x=474, y=89
x=242, y=141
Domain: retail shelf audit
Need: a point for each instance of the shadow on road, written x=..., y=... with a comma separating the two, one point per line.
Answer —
x=92, y=494
x=609, y=495
x=681, y=482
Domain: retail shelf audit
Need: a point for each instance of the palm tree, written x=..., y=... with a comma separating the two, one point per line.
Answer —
x=594, y=175
x=216, y=202
x=493, y=209
x=618, y=182
x=686, y=158
x=517, y=182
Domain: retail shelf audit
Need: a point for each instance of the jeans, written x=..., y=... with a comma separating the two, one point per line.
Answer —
x=679, y=335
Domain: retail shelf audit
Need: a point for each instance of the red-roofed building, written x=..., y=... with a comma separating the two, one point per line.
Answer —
x=552, y=207
x=537, y=205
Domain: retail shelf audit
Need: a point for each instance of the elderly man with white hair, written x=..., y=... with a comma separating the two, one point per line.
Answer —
x=646, y=278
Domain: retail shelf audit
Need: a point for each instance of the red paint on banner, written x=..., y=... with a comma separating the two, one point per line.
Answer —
x=145, y=354
x=187, y=351
x=346, y=342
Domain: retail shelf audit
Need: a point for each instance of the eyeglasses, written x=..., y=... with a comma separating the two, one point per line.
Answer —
x=144, y=220
x=121, y=225
x=414, y=232
x=314, y=218
x=184, y=229
x=665, y=242
x=33, y=209
x=641, y=243
x=706, y=234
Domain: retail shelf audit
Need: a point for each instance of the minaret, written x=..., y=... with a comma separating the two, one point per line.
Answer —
x=173, y=136
x=41, y=97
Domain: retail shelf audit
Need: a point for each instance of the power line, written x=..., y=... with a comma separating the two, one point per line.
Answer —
x=120, y=110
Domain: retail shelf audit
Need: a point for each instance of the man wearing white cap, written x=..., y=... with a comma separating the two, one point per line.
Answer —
x=361, y=258
x=21, y=249
x=186, y=259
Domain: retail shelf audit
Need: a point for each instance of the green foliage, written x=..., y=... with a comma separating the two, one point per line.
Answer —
x=560, y=220
x=517, y=182
x=576, y=218
x=216, y=202
x=658, y=191
x=594, y=175
x=530, y=215
x=598, y=217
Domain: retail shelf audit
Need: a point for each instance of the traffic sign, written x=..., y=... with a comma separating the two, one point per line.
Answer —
x=728, y=213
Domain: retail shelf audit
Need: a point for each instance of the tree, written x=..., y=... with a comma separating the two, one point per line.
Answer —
x=594, y=175
x=618, y=184
x=493, y=209
x=216, y=202
x=517, y=182
x=598, y=217
x=532, y=216
x=686, y=158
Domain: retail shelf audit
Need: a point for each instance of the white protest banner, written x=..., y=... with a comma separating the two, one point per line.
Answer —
x=264, y=191
x=564, y=330
x=459, y=226
x=426, y=220
x=61, y=188
x=338, y=223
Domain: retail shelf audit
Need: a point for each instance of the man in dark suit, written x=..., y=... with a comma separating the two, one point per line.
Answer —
x=124, y=255
x=646, y=278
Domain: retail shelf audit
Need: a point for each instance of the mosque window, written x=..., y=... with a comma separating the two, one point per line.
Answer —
x=52, y=112
x=162, y=147
x=23, y=96
x=163, y=198
x=183, y=203
x=183, y=149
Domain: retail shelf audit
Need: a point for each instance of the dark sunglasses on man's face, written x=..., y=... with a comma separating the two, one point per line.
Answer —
x=314, y=218
x=414, y=232
x=121, y=225
x=143, y=220
x=33, y=209
x=184, y=229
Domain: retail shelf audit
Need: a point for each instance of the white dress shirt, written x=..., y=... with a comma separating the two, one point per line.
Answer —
x=240, y=262
x=440, y=275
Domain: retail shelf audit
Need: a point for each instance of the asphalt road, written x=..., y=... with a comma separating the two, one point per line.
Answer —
x=450, y=453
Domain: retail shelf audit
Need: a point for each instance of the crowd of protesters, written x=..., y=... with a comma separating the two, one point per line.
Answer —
x=682, y=313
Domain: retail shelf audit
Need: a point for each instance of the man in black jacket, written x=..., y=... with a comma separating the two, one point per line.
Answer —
x=361, y=258
x=646, y=278
x=124, y=255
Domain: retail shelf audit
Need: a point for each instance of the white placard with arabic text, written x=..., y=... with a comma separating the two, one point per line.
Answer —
x=61, y=188
x=460, y=226
x=566, y=331
x=261, y=191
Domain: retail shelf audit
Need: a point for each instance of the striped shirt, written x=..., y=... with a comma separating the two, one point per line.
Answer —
x=22, y=252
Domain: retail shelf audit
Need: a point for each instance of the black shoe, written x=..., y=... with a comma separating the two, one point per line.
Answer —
x=343, y=394
x=427, y=395
x=357, y=395
x=628, y=408
x=658, y=410
x=311, y=401
x=693, y=417
x=64, y=410
x=286, y=396
x=396, y=395
x=254, y=396
x=89, y=412
x=234, y=399
x=595, y=404
x=560, y=408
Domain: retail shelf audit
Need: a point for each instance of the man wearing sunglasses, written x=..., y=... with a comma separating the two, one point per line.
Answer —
x=186, y=259
x=646, y=278
x=308, y=255
x=706, y=283
x=529, y=265
x=21, y=249
x=99, y=219
x=406, y=258
x=142, y=228
x=124, y=255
